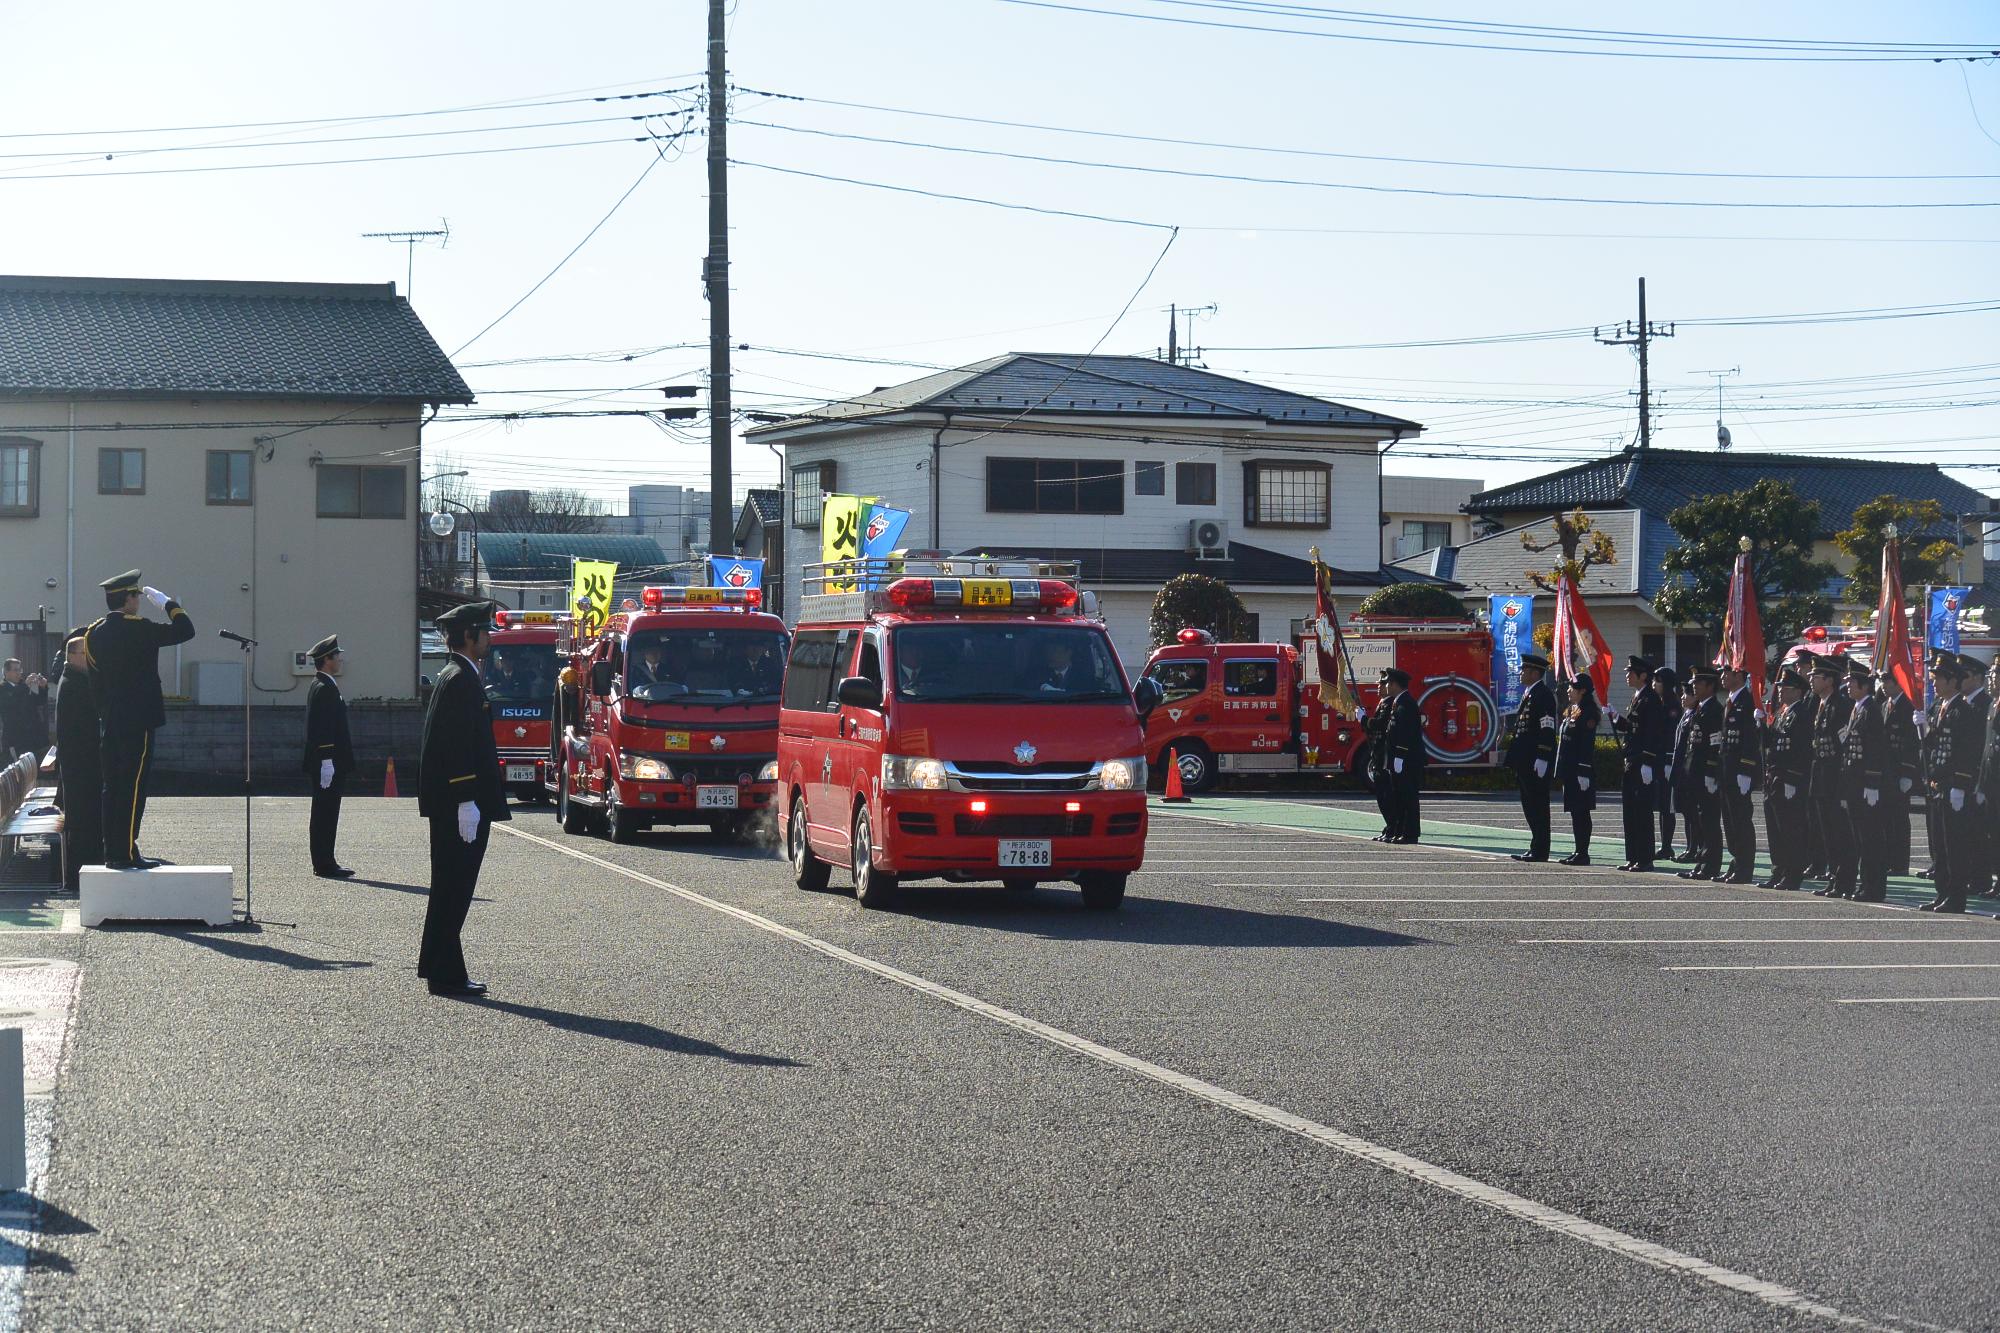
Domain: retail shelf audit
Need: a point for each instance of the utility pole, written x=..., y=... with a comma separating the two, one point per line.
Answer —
x=715, y=279
x=1641, y=336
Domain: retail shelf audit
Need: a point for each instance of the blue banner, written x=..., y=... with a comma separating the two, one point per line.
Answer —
x=883, y=530
x=1512, y=618
x=1941, y=632
x=735, y=571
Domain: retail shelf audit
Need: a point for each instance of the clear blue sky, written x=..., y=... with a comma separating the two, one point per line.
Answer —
x=836, y=268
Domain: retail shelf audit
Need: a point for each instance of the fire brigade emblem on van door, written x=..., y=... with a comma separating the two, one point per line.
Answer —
x=826, y=767
x=716, y=742
x=1024, y=753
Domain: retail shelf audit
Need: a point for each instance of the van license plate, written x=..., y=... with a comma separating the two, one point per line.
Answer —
x=715, y=798
x=520, y=772
x=1018, y=852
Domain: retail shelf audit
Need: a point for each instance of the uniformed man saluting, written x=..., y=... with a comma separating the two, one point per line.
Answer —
x=1531, y=753
x=123, y=650
x=459, y=792
x=329, y=756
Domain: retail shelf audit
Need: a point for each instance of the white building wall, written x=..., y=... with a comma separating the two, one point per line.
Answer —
x=1428, y=500
x=892, y=464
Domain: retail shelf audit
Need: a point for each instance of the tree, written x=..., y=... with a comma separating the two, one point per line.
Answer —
x=1923, y=562
x=1198, y=601
x=552, y=511
x=1781, y=527
x=1577, y=555
x=1415, y=600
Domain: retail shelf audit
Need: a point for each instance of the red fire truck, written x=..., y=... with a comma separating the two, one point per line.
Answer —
x=669, y=715
x=959, y=720
x=1255, y=707
x=520, y=676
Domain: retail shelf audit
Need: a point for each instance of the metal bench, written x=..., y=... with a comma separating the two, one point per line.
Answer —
x=28, y=814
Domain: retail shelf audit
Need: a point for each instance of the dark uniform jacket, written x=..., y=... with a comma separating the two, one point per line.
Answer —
x=1989, y=764
x=1534, y=731
x=1828, y=753
x=1643, y=733
x=1899, y=722
x=1954, y=748
x=1576, y=757
x=1681, y=757
x=460, y=761
x=21, y=725
x=1788, y=749
x=124, y=654
x=1704, y=745
x=1401, y=737
x=1864, y=752
x=76, y=739
x=1742, y=750
x=326, y=728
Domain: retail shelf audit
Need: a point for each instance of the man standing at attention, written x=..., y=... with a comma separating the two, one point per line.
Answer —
x=1531, y=753
x=329, y=756
x=459, y=792
x=1646, y=742
x=1403, y=752
x=123, y=650
x=79, y=780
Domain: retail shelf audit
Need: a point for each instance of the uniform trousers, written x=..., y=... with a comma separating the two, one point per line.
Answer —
x=1954, y=848
x=1785, y=821
x=81, y=798
x=1707, y=821
x=1535, y=810
x=1739, y=828
x=1404, y=810
x=1836, y=835
x=1896, y=829
x=1636, y=806
x=1871, y=846
x=127, y=761
x=454, y=876
x=325, y=824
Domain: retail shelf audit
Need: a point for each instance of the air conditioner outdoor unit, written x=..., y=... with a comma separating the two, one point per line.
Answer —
x=1208, y=539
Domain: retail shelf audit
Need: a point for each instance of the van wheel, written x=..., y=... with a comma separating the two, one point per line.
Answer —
x=872, y=887
x=808, y=871
x=1102, y=890
x=569, y=814
x=1197, y=765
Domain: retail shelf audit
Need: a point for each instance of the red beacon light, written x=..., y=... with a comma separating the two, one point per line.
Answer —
x=916, y=594
x=516, y=619
x=1195, y=638
x=1815, y=634
x=658, y=599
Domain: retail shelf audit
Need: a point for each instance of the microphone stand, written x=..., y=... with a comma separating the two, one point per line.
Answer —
x=247, y=645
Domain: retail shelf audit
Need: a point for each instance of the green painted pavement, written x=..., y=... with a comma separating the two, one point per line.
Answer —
x=31, y=918
x=1904, y=890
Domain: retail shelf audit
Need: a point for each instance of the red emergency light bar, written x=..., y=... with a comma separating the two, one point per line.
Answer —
x=982, y=594
x=659, y=598
x=516, y=619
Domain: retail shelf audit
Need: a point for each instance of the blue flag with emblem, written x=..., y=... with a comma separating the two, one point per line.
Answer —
x=1941, y=632
x=881, y=533
x=1512, y=618
x=735, y=571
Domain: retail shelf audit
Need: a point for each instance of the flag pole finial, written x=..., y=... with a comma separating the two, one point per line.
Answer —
x=1890, y=532
x=1743, y=545
x=1314, y=552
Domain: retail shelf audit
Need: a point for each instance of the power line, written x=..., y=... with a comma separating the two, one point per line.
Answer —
x=327, y=162
x=956, y=198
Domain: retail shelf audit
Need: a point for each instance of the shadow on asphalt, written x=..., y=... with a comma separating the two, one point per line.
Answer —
x=635, y=1033
x=1162, y=921
x=420, y=890
x=235, y=946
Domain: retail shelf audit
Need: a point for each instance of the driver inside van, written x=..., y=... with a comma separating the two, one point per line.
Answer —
x=926, y=664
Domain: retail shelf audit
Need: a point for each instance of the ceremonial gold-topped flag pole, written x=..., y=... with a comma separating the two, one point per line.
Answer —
x=1336, y=669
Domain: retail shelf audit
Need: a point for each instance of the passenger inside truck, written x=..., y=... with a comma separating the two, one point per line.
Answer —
x=971, y=663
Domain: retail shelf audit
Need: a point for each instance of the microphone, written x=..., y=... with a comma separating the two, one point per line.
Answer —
x=237, y=638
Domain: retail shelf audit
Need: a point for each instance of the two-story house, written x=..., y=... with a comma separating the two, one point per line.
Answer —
x=251, y=446
x=1140, y=469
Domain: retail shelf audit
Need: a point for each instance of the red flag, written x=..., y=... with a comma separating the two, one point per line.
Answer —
x=1579, y=647
x=1336, y=676
x=1895, y=651
x=1742, y=633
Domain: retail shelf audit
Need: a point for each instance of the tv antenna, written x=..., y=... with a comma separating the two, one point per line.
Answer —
x=1175, y=353
x=410, y=240
x=1722, y=440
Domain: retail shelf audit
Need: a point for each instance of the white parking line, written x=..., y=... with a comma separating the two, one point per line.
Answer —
x=1451, y=1182
x=1829, y=967
x=1767, y=941
x=1594, y=902
x=1625, y=920
x=1932, y=999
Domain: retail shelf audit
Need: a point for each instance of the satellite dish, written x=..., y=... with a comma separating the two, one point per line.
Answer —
x=1721, y=436
x=442, y=524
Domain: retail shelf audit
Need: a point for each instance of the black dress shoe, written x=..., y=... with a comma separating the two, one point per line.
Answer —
x=120, y=865
x=334, y=872
x=1690, y=874
x=1876, y=896
x=1406, y=841
x=1734, y=877
x=1930, y=906
x=1787, y=886
x=1665, y=853
x=1579, y=860
x=1531, y=856
x=1768, y=882
x=1954, y=908
x=463, y=990
x=1642, y=867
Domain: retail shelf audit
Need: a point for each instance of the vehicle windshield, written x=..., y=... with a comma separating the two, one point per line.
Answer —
x=1009, y=663
x=520, y=672
x=713, y=666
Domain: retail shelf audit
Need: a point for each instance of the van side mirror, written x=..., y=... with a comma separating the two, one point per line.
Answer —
x=860, y=692
x=1147, y=695
x=600, y=678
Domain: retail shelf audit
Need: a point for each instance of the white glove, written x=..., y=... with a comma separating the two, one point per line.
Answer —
x=1646, y=774
x=325, y=773
x=468, y=820
x=1582, y=783
x=1710, y=784
x=1790, y=791
x=1957, y=798
x=156, y=597
x=1870, y=795
x=1903, y=784
x=1743, y=783
x=1541, y=768
x=1921, y=718
x=1399, y=765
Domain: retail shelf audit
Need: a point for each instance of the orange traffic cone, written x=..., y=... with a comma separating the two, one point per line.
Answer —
x=1175, y=796
x=389, y=781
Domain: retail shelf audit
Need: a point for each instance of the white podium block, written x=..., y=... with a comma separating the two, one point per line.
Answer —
x=164, y=893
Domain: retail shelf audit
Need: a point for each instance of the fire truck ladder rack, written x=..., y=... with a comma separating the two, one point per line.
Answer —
x=853, y=589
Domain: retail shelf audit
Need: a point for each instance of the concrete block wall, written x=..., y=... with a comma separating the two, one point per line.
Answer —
x=200, y=750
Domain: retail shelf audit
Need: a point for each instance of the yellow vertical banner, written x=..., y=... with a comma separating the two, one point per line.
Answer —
x=590, y=593
x=840, y=536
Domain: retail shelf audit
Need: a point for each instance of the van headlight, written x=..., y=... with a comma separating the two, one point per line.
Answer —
x=643, y=767
x=769, y=772
x=1121, y=774
x=902, y=772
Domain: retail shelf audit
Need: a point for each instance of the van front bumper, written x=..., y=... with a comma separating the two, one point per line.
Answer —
x=923, y=834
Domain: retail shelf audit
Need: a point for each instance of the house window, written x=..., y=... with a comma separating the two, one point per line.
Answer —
x=121, y=471
x=361, y=492
x=20, y=478
x=1420, y=535
x=1149, y=478
x=229, y=476
x=1194, y=483
x=1287, y=495
x=810, y=484
x=1055, y=486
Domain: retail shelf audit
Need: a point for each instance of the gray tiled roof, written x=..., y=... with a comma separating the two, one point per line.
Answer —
x=1660, y=481
x=769, y=504
x=148, y=336
x=1500, y=563
x=1111, y=386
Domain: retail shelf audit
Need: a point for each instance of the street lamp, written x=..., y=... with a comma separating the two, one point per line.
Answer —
x=443, y=524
